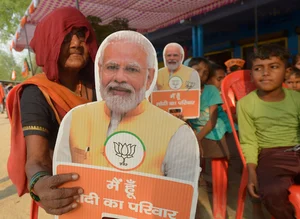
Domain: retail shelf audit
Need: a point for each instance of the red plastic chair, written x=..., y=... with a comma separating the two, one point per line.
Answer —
x=220, y=166
x=294, y=198
x=34, y=210
x=235, y=86
x=219, y=185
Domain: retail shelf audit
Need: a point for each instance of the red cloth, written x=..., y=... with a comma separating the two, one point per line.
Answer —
x=49, y=35
x=2, y=94
x=63, y=100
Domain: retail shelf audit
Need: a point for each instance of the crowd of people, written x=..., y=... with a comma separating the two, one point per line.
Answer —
x=270, y=143
x=267, y=118
x=4, y=90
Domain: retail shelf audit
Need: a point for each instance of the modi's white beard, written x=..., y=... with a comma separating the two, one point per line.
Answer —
x=173, y=67
x=122, y=104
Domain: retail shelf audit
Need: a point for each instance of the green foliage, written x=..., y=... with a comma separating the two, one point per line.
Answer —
x=7, y=65
x=102, y=31
x=11, y=12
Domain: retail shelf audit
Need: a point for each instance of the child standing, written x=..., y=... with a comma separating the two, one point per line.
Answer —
x=269, y=131
x=210, y=127
x=292, y=79
x=217, y=76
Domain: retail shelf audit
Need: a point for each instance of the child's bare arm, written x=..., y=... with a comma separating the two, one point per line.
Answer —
x=211, y=123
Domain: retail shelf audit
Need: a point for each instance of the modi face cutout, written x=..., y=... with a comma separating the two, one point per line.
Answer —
x=126, y=69
x=173, y=56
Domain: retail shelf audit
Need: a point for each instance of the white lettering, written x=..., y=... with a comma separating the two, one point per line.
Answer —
x=114, y=183
x=92, y=198
x=113, y=203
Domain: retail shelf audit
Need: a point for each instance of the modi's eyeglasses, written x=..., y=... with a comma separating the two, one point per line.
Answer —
x=80, y=33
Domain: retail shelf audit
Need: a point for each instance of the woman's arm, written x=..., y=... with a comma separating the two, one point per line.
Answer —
x=40, y=127
x=53, y=199
x=38, y=155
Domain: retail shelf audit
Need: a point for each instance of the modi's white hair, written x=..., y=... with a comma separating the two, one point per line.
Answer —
x=131, y=37
x=174, y=45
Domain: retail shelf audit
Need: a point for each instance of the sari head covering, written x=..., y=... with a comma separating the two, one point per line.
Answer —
x=48, y=38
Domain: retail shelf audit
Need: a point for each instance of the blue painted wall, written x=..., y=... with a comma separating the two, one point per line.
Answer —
x=228, y=40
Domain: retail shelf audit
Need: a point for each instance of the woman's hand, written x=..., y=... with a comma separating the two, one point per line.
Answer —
x=57, y=200
x=53, y=199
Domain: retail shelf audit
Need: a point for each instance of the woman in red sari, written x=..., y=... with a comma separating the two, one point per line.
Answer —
x=65, y=46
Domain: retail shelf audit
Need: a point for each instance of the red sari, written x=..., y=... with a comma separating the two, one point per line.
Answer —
x=2, y=94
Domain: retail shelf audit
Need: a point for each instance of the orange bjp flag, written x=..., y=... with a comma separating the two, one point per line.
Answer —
x=25, y=69
x=2, y=94
x=13, y=75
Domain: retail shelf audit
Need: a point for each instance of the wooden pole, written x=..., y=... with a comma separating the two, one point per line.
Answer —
x=256, y=25
x=77, y=4
x=32, y=70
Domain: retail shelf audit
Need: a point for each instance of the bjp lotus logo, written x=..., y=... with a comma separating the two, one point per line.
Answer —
x=124, y=150
x=124, y=156
x=175, y=83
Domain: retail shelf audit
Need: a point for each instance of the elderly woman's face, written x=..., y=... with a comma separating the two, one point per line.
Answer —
x=74, y=52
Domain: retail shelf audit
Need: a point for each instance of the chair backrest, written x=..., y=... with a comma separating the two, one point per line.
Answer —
x=235, y=86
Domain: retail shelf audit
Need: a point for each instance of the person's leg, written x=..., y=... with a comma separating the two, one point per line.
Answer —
x=212, y=149
x=275, y=198
x=235, y=161
x=2, y=107
x=4, y=104
x=205, y=180
x=276, y=171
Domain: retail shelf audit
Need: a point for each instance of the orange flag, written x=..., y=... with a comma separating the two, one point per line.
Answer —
x=13, y=75
x=25, y=69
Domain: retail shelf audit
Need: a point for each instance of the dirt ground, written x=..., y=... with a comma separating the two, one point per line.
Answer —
x=14, y=207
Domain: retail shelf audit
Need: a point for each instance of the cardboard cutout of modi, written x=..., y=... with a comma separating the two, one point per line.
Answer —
x=177, y=90
x=134, y=159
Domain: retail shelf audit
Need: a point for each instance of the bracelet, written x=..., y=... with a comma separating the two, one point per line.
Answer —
x=33, y=181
